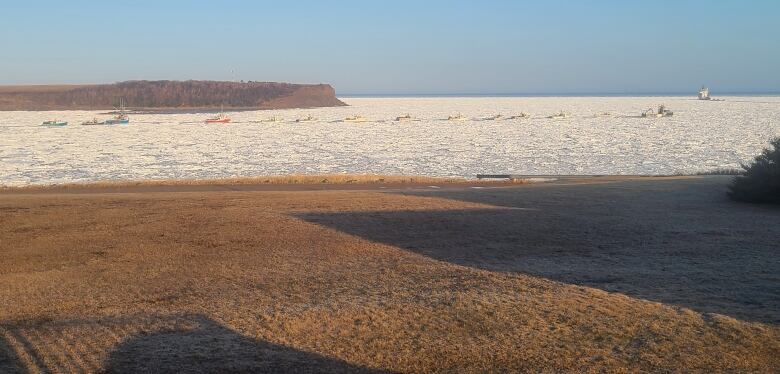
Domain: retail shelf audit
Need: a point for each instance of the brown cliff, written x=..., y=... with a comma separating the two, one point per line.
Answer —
x=169, y=95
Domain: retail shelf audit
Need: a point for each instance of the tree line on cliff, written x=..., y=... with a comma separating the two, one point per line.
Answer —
x=156, y=94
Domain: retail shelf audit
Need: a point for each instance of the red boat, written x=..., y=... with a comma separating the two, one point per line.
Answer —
x=219, y=118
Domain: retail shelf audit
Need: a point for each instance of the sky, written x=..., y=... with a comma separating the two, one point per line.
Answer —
x=402, y=47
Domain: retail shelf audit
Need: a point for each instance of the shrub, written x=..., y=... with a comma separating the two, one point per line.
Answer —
x=760, y=182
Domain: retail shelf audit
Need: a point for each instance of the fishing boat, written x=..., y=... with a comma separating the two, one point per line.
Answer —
x=273, y=119
x=121, y=118
x=457, y=117
x=356, y=119
x=405, y=117
x=560, y=115
x=93, y=122
x=493, y=118
x=54, y=123
x=522, y=115
x=661, y=112
x=306, y=119
x=219, y=118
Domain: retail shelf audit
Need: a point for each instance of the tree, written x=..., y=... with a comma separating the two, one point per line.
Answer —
x=761, y=181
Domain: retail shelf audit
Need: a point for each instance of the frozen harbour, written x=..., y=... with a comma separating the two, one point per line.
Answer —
x=700, y=136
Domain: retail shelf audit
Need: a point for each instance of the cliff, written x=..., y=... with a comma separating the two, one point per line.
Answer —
x=169, y=95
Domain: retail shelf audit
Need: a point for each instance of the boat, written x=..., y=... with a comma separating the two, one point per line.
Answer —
x=661, y=112
x=704, y=93
x=219, y=118
x=493, y=118
x=560, y=115
x=522, y=115
x=306, y=119
x=120, y=118
x=93, y=122
x=54, y=123
x=406, y=117
x=457, y=117
x=273, y=119
x=356, y=119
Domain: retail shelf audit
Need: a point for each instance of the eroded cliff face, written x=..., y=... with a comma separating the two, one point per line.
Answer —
x=321, y=95
x=169, y=95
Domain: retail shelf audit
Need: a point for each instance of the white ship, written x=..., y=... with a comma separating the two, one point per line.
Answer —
x=457, y=117
x=704, y=93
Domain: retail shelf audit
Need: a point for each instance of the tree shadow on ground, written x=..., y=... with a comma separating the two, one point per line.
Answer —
x=681, y=243
x=151, y=344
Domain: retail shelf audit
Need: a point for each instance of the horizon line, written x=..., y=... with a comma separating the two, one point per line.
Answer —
x=554, y=94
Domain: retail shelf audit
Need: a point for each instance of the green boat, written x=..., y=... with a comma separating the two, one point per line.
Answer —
x=54, y=123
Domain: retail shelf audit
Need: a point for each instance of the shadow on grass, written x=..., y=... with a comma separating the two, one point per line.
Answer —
x=681, y=243
x=156, y=344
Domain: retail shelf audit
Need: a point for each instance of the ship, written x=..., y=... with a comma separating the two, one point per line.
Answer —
x=219, y=118
x=522, y=115
x=704, y=93
x=406, y=117
x=273, y=119
x=493, y=118
x=54, y=123
x=661, y=112
x=457, y=117
x=356, y=119
x=93, y=122
x=306, y=119
x=560, y=115
x=120, y=118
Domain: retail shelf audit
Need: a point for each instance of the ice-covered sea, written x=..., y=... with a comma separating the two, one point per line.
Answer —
x=700, y=136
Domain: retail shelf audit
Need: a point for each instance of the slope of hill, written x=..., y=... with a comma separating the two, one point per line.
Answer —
x=169, y=95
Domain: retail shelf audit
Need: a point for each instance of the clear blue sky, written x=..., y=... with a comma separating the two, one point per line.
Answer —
x=420, y=46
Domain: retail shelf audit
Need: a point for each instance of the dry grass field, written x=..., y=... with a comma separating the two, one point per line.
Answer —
x=592, y=275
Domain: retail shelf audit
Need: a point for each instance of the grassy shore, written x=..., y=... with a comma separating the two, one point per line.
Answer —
x=359, y=180
x=588, y=275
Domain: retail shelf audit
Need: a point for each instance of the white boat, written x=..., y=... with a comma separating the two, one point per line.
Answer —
x=661, y=112
x=457, y=117
x=560, y=115
x=406, y=117
x=704, y=93
x=306, y=119
x=121, y=118
x=356, y=119
x=493, y=117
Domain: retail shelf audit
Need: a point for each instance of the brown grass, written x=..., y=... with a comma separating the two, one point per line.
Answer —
x=352, y=281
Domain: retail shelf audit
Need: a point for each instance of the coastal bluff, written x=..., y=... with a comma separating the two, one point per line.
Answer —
x=169, y=95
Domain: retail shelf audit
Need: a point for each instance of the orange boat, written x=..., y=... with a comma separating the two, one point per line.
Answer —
x=219, y=118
